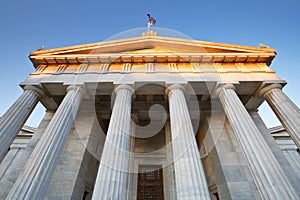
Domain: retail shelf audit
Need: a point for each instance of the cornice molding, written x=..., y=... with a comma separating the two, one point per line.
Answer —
x=153, y=49
x=153, y=41
x=159, y=57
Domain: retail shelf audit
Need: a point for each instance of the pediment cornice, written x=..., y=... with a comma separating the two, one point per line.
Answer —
x=153, y=49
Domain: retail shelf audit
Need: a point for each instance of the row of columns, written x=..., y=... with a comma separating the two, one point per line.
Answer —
x=112, y=174
x=33, y=181
x=113, y=170
x=270, y=179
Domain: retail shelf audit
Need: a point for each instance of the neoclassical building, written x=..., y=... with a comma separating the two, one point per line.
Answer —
x=152, y=117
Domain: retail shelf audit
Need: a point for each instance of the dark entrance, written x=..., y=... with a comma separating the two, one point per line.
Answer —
x=150, y=183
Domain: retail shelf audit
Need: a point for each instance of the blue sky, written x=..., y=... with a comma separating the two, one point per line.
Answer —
x=26, y=25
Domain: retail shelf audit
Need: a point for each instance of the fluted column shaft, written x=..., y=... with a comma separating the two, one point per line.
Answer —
x=131, y=161
x=189, y=173
x=286, y=111
x=33, y=182
x=268, y=174
x=113, y=170
x=15, y=117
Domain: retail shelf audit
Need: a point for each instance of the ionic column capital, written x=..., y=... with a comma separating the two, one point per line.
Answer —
x=118, y=88
x=80, y=88
x=39, y=91
x=224, y=86
x=76, y=87
x=269, y=87
x=175, y=86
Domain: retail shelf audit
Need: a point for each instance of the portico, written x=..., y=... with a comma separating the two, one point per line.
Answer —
x=175, y=111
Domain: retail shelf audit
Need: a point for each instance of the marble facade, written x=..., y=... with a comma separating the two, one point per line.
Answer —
x=185, y=109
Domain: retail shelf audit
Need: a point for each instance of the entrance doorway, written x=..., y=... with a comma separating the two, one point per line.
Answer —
x=150, y=182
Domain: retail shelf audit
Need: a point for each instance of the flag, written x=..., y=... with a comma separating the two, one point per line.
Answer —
x=151, y=20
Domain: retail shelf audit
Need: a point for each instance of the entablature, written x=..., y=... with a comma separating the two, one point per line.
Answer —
x=152, y=67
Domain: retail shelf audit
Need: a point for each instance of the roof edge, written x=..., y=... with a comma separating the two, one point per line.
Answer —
x=260, y=48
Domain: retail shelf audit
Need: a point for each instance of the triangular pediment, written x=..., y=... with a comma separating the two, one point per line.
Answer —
x=153, y=49
x=151, y=45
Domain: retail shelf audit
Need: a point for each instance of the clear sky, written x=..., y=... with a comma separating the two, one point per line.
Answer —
x=26, y=25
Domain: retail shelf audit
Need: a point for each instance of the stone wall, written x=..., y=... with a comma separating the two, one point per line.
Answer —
x=225, y=166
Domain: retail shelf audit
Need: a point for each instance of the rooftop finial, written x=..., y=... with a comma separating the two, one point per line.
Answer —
x=261, y=45
x=150, y=33
x=41, y=48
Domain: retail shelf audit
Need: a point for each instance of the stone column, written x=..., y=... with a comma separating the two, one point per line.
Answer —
x=15, y=117
x=33, y=182
x=131, y=160
x=113, y=170
x=286, y=111
x=169, y=177
x=189, y=173
x=270, y=179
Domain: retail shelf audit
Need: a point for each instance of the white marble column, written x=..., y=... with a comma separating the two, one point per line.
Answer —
x=113, y=170
x=169, y=177
x=286, y=111
x=269, y=177
x=189, y=173
x=131, y=160
x=16, y=116
x=33, y=181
